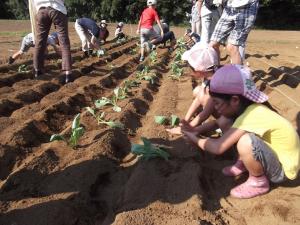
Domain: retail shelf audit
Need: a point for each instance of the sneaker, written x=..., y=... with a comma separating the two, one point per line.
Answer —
x=85, y=54
x=153, y=47
x=11, y=60
x=142, y=59
x=37, y=73
x=68, y=78
x=234, y=170
x=253, y=187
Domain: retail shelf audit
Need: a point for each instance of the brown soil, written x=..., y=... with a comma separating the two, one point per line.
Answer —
x=101, y=182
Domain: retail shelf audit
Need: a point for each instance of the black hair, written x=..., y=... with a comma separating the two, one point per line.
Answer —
x=244, y=102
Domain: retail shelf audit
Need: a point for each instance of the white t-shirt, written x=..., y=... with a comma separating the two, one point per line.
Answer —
x=239, y=3
x=55, y=4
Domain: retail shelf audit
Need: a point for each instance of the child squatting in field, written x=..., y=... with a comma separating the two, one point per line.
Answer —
x=203, y=60
x=28, y=42
x=267, y=144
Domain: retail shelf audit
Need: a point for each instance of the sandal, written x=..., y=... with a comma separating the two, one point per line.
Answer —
x=234, y=170
x=253, y=187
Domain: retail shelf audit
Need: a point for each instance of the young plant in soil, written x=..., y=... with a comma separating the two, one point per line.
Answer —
x=153, y=57
x=128, y=84
x=119, y=94
x=100, y=119
x=145, y=74
x=23, y=68
x=76, y=133
x=163, y=120
x=149, y=150
x=176, y=71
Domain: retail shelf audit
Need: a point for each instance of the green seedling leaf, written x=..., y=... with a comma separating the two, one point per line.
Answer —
x=174, y=120
x=102, y=102
x=56, y=137
x=76, y=134
x=160, y=119
x=102, y=115
x=115, y=124
x=22, y=68
x=117, y=108
x=91, y=111
x=148, y=150
x=76, y=121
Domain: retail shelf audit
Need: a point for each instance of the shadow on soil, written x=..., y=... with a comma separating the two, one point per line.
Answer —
x=278, y=76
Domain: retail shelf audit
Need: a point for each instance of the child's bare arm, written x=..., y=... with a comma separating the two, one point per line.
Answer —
x=208, y=110
x=219, y=145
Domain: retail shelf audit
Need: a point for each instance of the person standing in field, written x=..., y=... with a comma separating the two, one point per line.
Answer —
x=236, y=21
x=196, y=16
x=210, y=15
x=50, y=12
x=89, y=33
x=145, y=26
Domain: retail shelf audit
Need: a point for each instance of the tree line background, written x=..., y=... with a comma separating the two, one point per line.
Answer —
x=273, y=14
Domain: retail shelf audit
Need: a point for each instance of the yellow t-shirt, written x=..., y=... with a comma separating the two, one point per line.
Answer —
x=277, y=132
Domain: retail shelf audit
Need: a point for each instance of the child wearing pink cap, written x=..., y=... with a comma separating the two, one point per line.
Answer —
x=203, y=61
x=267, y=144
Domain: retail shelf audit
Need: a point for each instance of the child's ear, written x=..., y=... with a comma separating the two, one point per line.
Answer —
x=235, y=100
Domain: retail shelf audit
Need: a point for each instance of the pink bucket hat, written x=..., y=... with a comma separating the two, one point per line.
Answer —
x=236, y=79
x=201, y=58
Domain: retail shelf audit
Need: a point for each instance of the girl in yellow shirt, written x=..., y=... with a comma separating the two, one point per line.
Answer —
x=268, y=145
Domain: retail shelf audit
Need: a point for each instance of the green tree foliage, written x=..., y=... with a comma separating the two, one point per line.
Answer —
x=279, y=14
x=17, y=9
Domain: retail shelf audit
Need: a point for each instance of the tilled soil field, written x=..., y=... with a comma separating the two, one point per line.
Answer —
x=101, y=182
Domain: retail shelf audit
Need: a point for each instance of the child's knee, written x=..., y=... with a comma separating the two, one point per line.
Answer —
x=244, y=144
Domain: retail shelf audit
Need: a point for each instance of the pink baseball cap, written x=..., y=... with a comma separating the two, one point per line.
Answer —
x=236, y=79
x=201, y=58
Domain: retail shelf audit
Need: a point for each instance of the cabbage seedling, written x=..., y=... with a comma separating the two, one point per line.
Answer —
x=153, y=57
x=76, y=133
x=100, y=119
x=174, y=120
x=148, y=150
x=145, y=74
x=119, y=94
x=23, y=68
x=160, y=119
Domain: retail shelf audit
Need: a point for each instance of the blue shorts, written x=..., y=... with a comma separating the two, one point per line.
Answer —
x=235, y=24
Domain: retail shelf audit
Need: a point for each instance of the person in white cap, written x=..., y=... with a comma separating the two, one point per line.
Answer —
x=119, y=34
x=203, y=61
x=104, y=33
x=145, y=26
x=267, y=144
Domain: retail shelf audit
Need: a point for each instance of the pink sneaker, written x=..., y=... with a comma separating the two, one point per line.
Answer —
x=254, y=186
x=234, y=170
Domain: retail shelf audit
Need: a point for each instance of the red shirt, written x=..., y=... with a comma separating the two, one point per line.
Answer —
x=149, y=15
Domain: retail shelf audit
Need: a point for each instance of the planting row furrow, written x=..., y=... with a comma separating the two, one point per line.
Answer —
x=18, y=97
x=62, y=102
x=8, y=78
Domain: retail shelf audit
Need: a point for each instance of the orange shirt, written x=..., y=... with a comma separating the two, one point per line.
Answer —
x=149, y=15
